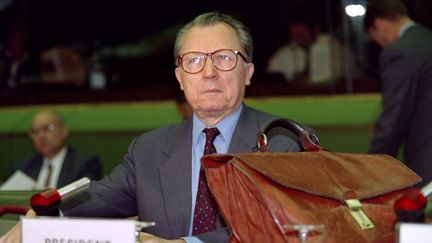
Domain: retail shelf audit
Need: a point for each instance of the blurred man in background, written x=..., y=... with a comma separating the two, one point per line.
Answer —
x=310, y=57
x=406, y=76
x=56, y=164
x=17, y=65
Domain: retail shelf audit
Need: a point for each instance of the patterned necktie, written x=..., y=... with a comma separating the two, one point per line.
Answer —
x=205, y=214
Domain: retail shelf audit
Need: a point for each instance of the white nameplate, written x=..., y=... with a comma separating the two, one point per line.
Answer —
x=77, y=230
x=410, y=232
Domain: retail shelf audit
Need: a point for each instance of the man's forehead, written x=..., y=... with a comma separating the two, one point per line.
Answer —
x=44, y=119
x=210, y=38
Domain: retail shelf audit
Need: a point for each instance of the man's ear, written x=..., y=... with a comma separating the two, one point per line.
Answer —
x=177, y=72
x=379, y=23
x=65, y=132
x=249, y=72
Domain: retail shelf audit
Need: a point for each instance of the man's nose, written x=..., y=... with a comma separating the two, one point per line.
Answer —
x=209, y=68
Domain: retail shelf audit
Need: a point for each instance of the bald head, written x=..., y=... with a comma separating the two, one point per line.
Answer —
x=51, y=115
x=48, y=133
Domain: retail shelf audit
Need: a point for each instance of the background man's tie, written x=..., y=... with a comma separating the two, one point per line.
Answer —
x=205, y=214
x=48, y=178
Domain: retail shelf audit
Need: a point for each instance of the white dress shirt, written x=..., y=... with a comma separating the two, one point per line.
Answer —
x=56, y=163
x=325, y=62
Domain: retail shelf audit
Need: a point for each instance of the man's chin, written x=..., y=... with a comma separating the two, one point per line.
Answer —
x=211, y=108
x=214, y=111
x=44, y=152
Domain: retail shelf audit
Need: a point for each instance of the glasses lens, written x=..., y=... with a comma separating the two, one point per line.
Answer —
x=224, y=59
x=43, y=129
x=193, y=62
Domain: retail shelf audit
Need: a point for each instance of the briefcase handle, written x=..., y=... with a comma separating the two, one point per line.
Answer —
x=308, y=140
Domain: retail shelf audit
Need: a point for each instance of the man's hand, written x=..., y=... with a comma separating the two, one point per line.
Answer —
x=149, y=238
x=14, y=235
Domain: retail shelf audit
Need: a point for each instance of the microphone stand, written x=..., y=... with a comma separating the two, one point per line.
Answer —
x=46, y=203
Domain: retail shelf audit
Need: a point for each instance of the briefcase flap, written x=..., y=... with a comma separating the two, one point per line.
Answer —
x=326, y=174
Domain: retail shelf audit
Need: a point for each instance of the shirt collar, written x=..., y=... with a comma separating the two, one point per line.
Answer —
x=405, y=27
x=226, y=126
x=58, y=158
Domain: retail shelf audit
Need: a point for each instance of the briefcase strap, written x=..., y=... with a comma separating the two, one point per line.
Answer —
x=308, y=140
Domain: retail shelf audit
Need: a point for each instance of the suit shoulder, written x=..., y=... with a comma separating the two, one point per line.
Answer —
x=80, y=155
x=162, y=131
x=25, y=162
x=415, y=42
x=261, y=116
x=161, y=135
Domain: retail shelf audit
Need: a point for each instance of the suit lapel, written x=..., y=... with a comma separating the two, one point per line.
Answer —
x=67, y=169
x=33, y=167
x=245, y=134
x=175, y=176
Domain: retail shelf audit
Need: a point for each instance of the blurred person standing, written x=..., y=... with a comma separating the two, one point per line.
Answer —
x=17, y=66
x=55, y=164
x=62, y=65
x=406, y=76
x=311, y=56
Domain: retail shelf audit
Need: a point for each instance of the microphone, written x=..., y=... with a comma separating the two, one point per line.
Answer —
x=46, y=202
x=410, y=207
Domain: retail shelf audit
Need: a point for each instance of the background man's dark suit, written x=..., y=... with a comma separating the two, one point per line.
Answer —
x=407, y=99
x=154, y=180
x=75, y=166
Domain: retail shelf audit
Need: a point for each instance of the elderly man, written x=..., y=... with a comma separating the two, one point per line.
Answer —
x=55, y=164
x=159, y=179
x=406, y=73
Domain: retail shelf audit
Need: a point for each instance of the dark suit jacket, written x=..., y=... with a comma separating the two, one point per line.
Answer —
x=75, y=166
x=154, y=180
x=406, y=117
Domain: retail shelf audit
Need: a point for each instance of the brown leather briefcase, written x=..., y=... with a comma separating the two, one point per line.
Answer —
x=352, y=195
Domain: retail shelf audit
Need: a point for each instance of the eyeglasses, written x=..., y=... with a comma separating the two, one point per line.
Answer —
x=49, y=128
x=223, y=60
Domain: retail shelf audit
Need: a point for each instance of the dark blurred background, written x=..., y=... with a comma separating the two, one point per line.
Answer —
x=122, y=50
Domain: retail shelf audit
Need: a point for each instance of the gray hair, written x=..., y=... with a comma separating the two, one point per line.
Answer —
x=212, y=18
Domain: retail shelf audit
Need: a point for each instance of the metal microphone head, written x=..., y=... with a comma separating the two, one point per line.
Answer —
x=74, y=188
x=427, y=190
